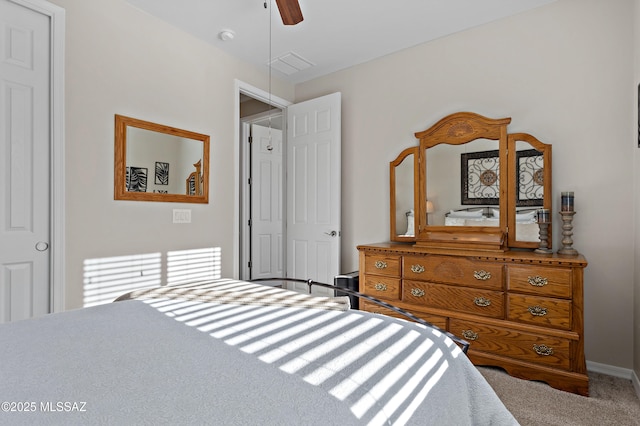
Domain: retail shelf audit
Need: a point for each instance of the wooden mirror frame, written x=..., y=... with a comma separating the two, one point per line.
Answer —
x=392, y=190
x=458, y=129
x=545, y=149
x=120, y=192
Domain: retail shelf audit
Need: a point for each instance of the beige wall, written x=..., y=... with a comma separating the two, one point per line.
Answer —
x=563, y=72
x=123, y=61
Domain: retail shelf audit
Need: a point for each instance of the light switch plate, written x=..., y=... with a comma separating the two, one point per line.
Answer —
x=181, y=215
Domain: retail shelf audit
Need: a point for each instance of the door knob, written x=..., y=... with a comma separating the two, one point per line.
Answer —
x=42, y=246
x=332, y=233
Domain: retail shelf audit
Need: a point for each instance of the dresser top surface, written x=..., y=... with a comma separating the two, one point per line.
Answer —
x=523, y=256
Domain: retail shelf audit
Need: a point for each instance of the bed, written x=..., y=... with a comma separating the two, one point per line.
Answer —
x=238, y=353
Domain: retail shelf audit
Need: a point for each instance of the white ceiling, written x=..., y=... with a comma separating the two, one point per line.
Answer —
x=335, y=34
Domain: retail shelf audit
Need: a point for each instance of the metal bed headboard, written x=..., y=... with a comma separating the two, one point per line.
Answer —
x=310, y=283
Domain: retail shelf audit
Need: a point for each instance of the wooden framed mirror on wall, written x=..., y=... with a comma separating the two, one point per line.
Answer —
x=155, y=162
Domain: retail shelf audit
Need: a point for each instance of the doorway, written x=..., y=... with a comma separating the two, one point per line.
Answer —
x=262, y=187
x=310, y=186
x=258, y=109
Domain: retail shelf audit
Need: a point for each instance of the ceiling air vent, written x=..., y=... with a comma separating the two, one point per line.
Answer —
x=290, y=63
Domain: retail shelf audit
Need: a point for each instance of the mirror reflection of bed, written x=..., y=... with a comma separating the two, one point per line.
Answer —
x=526, y=220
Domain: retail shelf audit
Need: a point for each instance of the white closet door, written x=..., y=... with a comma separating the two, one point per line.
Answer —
x=25, y=132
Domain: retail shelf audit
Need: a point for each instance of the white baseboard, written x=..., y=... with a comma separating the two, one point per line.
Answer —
x=611, y=370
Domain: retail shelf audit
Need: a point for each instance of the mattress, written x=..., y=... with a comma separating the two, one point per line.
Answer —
x=174, y=359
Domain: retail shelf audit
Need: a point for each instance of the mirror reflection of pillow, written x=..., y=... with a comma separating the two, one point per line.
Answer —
x=477, y=214
x=454, y=221
x=528, y=217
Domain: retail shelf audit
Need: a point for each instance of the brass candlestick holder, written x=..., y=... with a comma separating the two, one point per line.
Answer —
x=567, y=232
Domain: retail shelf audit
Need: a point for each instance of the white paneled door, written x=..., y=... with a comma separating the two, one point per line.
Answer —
x=313, y=189
x=25, y=166
x=267, y=204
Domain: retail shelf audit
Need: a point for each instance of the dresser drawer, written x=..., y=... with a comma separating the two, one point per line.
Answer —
x=540, y=280
x=540, y=349
x=543, y=311
x=487, y=303
x=382, y=287
x=453, y=270
x=436, y=320
x=382, y=265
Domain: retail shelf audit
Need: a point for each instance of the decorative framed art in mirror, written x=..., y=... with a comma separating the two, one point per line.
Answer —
x=530, y=170
x=480, y=184
x=529, y=189
x=178, y=160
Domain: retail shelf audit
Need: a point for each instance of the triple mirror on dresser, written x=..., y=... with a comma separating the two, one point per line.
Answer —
x=470, y=184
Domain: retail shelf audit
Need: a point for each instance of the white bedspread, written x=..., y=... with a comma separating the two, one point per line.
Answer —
x=525, y=231
x=175, y=361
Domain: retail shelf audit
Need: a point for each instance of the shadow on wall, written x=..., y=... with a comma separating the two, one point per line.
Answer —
x=107, y=278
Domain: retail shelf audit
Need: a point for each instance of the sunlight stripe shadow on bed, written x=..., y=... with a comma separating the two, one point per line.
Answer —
x=400, y=366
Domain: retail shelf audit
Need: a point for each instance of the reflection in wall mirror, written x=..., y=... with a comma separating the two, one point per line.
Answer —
x=154, y=162
x=530, y=189
x=404, y=193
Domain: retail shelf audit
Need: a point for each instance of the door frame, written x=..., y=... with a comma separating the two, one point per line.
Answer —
x=275, y=101
x=56, y=15
x=245, y=213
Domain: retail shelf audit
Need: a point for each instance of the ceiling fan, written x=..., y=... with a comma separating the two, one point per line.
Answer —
x=290, y=11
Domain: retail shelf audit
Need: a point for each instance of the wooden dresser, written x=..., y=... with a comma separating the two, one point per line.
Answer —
x=519, y=310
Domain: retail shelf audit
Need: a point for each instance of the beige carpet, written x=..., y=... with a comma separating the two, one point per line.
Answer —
x=612, y=401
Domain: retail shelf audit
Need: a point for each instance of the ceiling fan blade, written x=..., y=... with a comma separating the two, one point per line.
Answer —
x=290, y=11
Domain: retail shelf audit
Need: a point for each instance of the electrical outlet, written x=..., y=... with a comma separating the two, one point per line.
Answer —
x=181, y=215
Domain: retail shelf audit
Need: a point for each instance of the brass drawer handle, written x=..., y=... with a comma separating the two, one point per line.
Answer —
x=417, y=269
x=538, y=281
x=543, y=350
x=482, y=302
x=380, y=264
x=418, y=292
x=381, y=287
x=537, y=311
x=481, y=275
x=469, y=334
